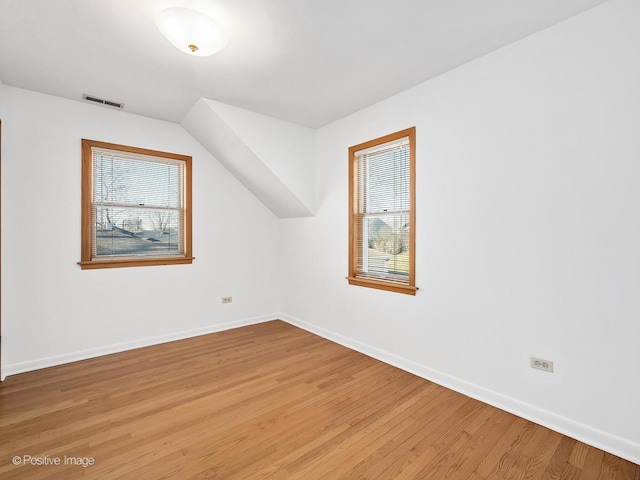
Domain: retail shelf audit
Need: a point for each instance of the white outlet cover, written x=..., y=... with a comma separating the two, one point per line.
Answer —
x=541, y=364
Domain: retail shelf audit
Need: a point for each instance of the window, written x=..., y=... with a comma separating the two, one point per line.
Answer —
x=136, y=206
x=382, y=213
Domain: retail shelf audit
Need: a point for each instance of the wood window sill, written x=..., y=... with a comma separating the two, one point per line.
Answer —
x=135, y=262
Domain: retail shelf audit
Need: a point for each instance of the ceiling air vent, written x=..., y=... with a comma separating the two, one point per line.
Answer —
x=109, y=103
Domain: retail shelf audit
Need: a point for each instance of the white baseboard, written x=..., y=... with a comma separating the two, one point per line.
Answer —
x=15, y=368
x=579, y=431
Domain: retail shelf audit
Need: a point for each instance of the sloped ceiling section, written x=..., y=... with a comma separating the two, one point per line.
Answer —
x=271, y=157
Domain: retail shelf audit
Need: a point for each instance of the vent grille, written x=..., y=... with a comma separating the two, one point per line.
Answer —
x=109, y=103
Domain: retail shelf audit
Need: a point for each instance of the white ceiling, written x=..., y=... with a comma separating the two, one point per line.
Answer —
x=306, y=61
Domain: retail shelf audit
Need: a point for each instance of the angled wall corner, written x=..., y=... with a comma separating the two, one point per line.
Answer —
x=274, y=159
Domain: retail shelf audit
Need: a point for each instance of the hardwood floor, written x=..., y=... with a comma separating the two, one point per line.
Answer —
x=269, y=401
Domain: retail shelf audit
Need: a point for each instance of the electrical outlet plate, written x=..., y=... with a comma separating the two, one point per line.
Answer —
x=227, y=299
x=540, y=364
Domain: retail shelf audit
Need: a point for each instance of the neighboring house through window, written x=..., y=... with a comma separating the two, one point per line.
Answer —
x=382, y=213
x=136, y=206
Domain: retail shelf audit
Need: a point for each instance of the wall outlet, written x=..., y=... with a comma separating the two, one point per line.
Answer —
x=227, y=299
x=540, y=364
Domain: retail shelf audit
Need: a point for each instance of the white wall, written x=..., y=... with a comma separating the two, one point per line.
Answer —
x=248, y=143
x=54, y=312
x=528, y=231
x=287, y=149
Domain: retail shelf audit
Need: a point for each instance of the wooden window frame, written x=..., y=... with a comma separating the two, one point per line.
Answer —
x=355, y=246
x=87, y=262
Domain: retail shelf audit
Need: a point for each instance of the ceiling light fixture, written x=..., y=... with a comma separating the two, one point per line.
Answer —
x=191, y=32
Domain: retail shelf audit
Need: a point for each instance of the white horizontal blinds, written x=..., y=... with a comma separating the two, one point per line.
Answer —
x=382, y=221
x=138, y=205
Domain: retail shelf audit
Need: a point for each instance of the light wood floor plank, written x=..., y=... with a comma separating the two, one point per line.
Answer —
x=541, y=452
x=271, y=401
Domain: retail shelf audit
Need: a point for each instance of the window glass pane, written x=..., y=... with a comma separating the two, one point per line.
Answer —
x=387, y=251
x=136, y=182
x=136, y=231
x=385, y=178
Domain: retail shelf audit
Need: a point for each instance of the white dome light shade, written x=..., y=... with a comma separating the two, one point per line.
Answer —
x=191, y=32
